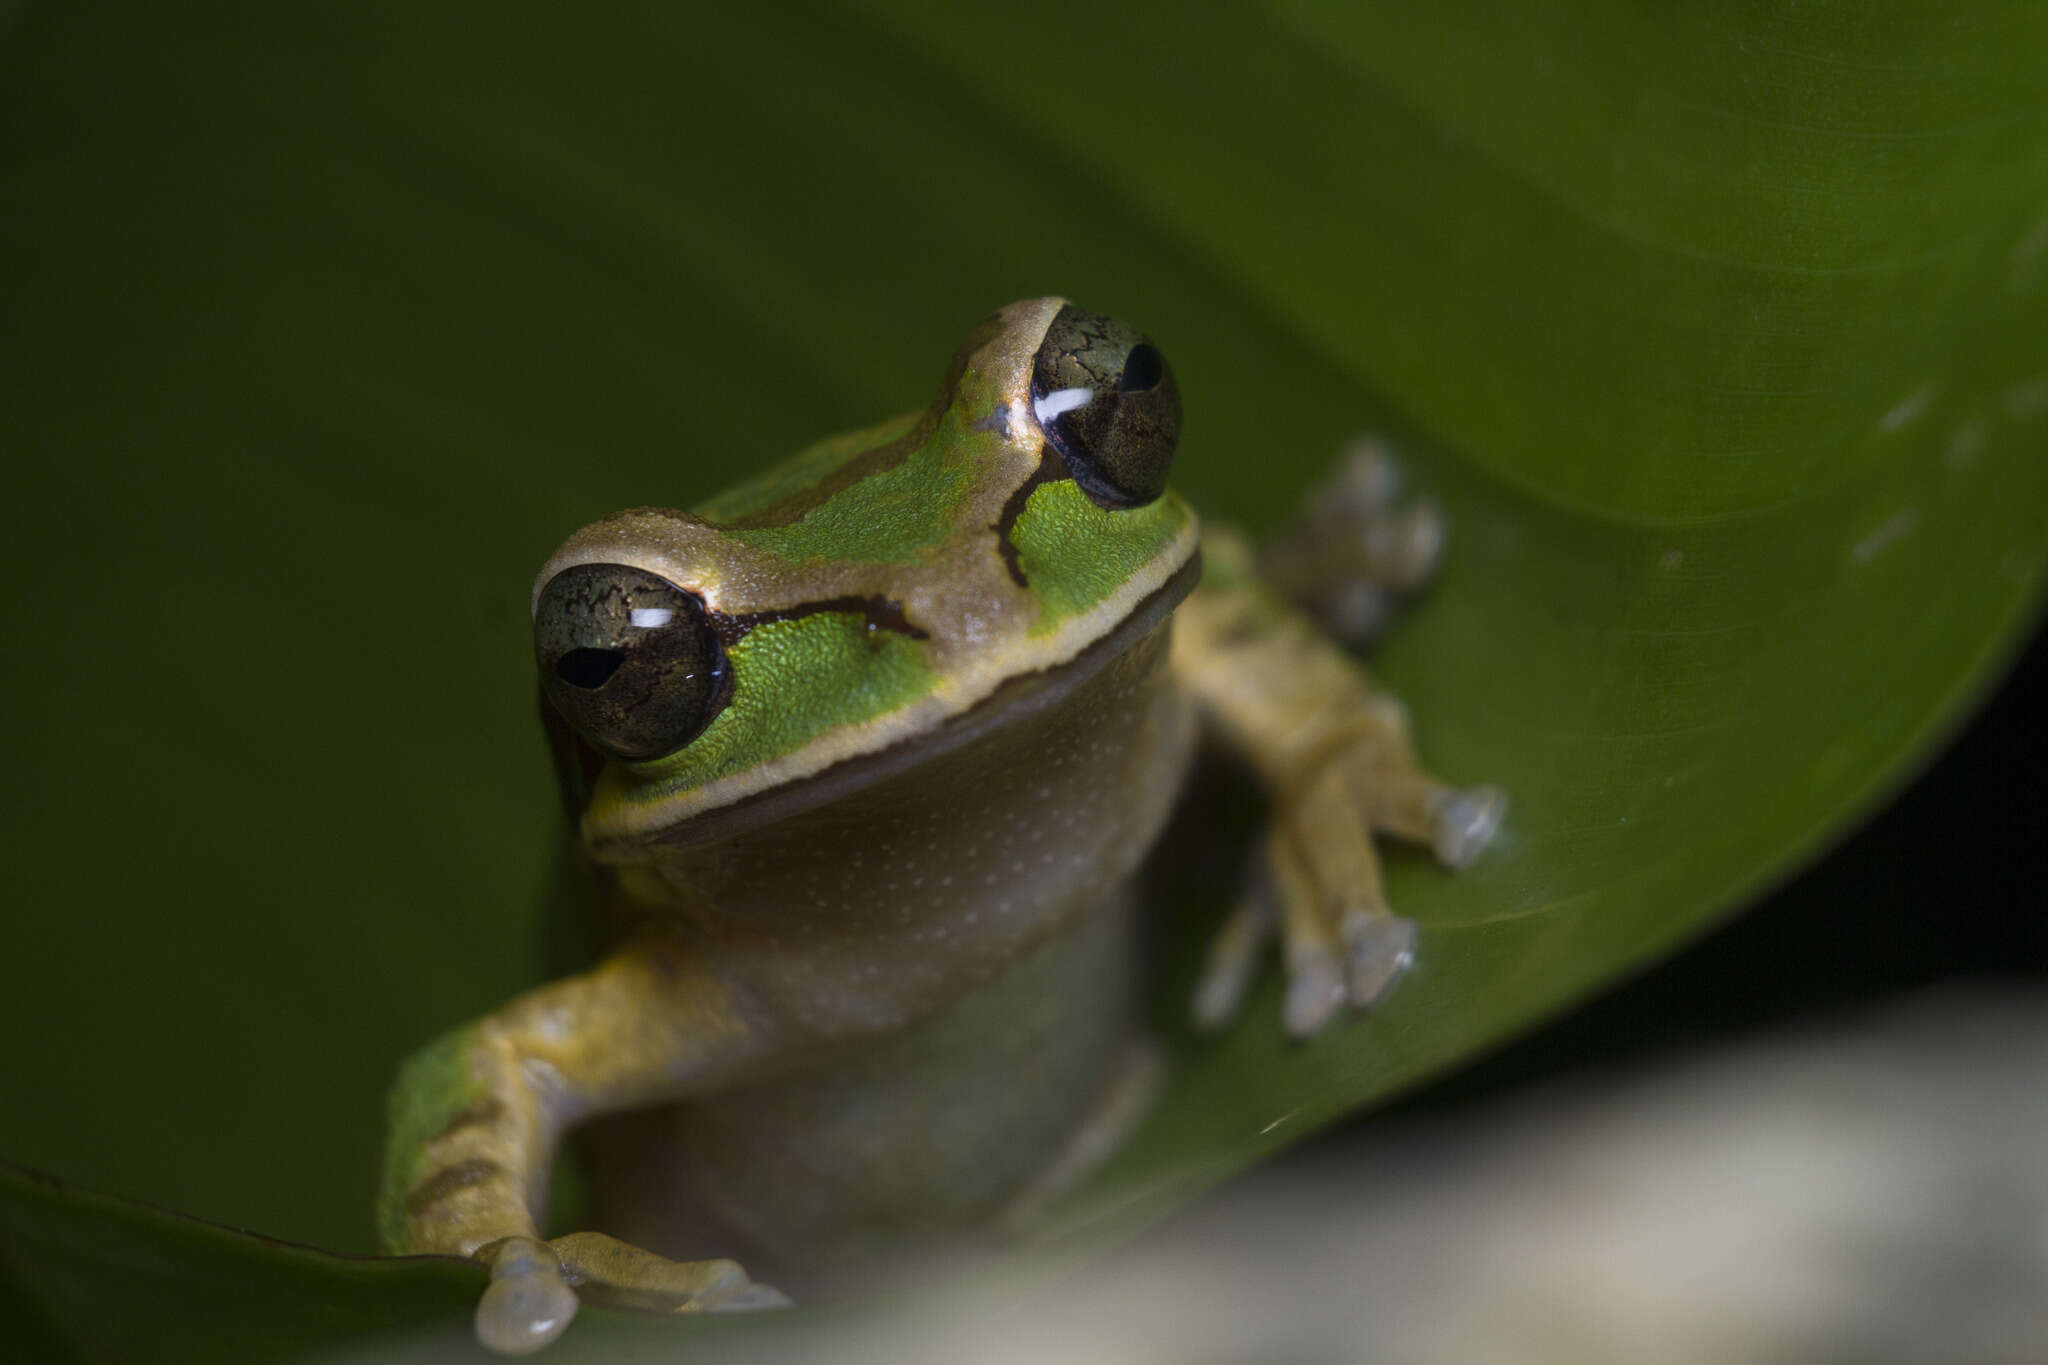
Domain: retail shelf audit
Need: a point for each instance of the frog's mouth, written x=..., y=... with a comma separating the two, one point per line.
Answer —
x=1012, y=702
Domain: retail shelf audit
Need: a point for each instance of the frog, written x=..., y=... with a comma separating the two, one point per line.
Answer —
x=868, y=753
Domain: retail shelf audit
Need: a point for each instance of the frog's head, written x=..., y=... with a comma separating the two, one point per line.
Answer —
x=859, y=595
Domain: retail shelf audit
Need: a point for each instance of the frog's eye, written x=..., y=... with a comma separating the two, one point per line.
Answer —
x=628, y=658
x=1107, y=403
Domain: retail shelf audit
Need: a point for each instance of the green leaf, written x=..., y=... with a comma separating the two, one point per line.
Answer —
x=101, y=1279
x=1716, y=328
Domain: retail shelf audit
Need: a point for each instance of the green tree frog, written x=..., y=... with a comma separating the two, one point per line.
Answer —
x=869, y=749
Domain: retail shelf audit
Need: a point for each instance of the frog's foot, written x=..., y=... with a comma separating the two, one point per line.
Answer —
x=1318, y=885
x=536, y=1287
x=529, y=1301
x=1356, y=549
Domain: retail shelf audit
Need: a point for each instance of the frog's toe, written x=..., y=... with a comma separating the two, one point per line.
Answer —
x=528, y=1302
x=1379, y=949
x=1315, y=988
x=1233, y=956
x=1466, y=822
x=1310, y=879
x=1367, y=477
x=1402, y=549
x=1356, y=549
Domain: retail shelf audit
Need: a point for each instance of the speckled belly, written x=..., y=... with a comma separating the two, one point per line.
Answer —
x=995, y=881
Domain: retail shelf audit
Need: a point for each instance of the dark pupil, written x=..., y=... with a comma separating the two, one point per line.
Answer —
x=1142, y=370
x=588, y=669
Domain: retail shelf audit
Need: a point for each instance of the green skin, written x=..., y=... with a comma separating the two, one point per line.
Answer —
x=872, y=989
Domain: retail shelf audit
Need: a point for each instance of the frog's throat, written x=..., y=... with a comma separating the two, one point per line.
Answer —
x=1016, y=696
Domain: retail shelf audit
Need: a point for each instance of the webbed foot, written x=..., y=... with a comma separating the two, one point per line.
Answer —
x=1317, y=885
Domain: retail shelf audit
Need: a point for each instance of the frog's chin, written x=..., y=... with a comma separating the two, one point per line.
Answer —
x=1012, y=702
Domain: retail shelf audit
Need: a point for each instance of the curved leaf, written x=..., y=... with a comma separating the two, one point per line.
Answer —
x=1718, y=332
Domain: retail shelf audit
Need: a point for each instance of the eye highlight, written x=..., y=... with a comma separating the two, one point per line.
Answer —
x=627, y=658
x=1106, y=400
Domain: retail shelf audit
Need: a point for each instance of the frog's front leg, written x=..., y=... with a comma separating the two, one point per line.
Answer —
x=1356, y=549
x=1336, y=759
x=477, y=1115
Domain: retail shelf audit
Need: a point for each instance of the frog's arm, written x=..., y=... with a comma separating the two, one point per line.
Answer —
x=476, y=1116
x=1334, y=755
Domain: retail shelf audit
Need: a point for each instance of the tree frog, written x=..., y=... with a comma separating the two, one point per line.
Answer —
x=868, y=750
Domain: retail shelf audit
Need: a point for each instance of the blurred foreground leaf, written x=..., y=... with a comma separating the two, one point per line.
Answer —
x=1719, y=331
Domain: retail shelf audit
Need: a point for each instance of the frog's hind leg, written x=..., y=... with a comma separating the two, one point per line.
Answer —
x=1357, y=548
